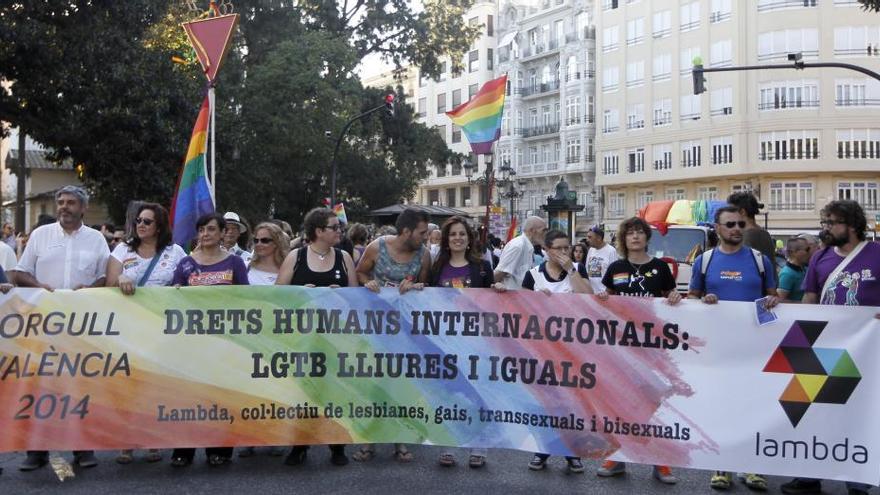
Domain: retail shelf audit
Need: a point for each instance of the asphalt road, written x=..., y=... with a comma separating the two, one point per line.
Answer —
x=505, y=472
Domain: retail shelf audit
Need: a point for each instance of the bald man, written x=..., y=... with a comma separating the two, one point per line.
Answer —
x=518, y=255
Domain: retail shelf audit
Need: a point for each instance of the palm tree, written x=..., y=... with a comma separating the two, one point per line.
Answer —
x=870, y=5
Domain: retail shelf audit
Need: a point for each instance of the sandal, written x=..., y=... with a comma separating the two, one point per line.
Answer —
x=364, y=454
x=447, y=459
x=153, y=455
x=402, y=454
x=181, y=461
x=125, y=457
x=477, y=461
x=217, y=460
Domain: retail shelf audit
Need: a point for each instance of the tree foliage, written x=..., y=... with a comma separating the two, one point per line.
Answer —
x=870, y=5
x=95, y=81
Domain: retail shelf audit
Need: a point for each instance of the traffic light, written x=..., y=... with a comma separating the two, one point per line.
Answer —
x=699, y=80
x=389, y=104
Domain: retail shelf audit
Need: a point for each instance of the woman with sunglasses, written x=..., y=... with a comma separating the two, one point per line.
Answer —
x=147, y=259
x=210, y=265
x=637, y=274
x=319, y=264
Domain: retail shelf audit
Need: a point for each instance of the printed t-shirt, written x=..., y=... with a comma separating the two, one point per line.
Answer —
x=457, y=277
x=229, y=271
x=134, y=266
x=733, y=277
x=537, y=278
x=598, y=261
x=855, y=285
x=650, y=279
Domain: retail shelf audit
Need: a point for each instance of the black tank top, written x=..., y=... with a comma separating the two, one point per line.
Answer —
x=303, y=275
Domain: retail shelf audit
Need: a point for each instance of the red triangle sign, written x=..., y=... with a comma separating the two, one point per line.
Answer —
x=210, y=38
x=778, y=363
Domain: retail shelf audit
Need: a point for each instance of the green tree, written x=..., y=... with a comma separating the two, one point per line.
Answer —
x=870, y=5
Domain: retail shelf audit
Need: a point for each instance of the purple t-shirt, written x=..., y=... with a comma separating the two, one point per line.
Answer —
x=856, y=285
x=458, y=277
x=230, y=271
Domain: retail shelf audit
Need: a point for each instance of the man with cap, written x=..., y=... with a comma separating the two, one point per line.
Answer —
x=234, y=228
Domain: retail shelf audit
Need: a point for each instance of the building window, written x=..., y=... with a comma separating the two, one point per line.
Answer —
x=789, y=145
x=791, y=196
x=441, y=129
x=690, y=16
x=490, y=61
x=865, y=193
x=635, y=74
x=610, y=79
x=720, y=11
x=441, y=103
x=662, y=156
x=687, y=60
x=662, y=112
x=611, y=164
x=722, y=150
x=721, y=102
x=858, y=144
x=434, y=197
x=610, y=39
x=789, y=94
x=456, y=134
x=635, y=116
x=635, y=160
x=662, y=68
x=456, y=165
x=721, y=54
x=856, y=41
x=616, y=204
x=676, y=193
x=690, y=108
x=768, y=5
x=573, y=150
x=610, y=4
x=466, y=196
x=450, y=197
x=573, y=110
x=707, y=193
x=474, y=61
x=490, y=25
x=456, y=98
x=776, y=45
x=611, y=121
x=635, y=31
x=484, y=195
x=472, y=90
x=643, y=198
x=423, y=107
x=662, y=24
x=856, y=92
x=691, y=154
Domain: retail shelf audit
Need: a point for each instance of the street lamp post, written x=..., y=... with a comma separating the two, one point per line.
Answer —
x=489, y=180
x=512, y=193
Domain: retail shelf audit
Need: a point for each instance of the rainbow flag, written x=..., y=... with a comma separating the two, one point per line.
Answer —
x=192, y=197
x=480, y=117
x=339, y=210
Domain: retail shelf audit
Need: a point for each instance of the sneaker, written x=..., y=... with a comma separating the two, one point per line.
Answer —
x=799, y=486
x=754, y=482
x=34, y=460
x=575, y=465
x=297, y=455
x=337, y=456
x=611, y=468
x=538, y=463
x=664, y=475
x=85, y=459
x=721, y=480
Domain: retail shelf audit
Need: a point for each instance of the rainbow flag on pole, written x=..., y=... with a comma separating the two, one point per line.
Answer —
x=480, y=117
x=192, y=197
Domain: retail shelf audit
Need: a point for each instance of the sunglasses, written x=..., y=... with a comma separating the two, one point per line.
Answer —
x=741, y=224
x=262, y=240
x=145, y=221
x=332, y=227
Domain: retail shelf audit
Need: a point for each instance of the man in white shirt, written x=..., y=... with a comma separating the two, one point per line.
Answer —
x=599, y=257
x=234, y=228
x=518, y=255
x=64, y=255
x=7, y=257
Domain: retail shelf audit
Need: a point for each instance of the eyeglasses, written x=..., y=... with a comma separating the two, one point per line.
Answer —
x=332, y=227
x=145, y=221
x=741, y=224
x=831, y=223
x=262, y=240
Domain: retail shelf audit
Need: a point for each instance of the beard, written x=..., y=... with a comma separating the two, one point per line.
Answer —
x=832, y=240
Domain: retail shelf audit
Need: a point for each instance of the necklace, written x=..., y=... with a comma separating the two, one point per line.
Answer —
x=636, y=266
x=320, y=255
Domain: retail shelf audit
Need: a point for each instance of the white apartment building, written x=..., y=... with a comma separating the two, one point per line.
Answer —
x=406, y=78
x=797, y=138
x=547, y=49
x=447, y=184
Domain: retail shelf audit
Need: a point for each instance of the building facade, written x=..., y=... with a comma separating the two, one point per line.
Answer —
x=406, y=77
x=796, y=138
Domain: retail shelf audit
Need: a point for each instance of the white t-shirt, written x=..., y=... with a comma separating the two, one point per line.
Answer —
x=134, y=267
x=7, y=257
x=260, y=277
x=516, y=259
x=65, y=261
x=598, y=261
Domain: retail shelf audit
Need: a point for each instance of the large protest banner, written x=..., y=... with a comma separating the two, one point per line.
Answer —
x=692, y=385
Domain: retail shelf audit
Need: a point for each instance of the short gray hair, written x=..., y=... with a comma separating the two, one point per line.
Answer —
x=76, y=191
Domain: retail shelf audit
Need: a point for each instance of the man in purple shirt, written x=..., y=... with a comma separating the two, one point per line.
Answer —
x=844, y=273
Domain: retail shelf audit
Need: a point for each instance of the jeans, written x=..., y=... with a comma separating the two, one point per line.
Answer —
x=544, y=457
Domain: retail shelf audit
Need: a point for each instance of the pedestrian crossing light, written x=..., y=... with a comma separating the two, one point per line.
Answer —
x=699, y=80
x=389, y=104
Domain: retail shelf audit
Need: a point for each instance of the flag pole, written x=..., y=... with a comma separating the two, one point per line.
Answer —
x=211, y=100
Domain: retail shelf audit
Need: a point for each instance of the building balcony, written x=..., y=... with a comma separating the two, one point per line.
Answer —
x=540, y=50
x=788, y=105
x=764, y=57
x=541, y=130
x=717, y=112
x=637, y=124
x=856, y=103
x=540, y=89
x=716, y=17
x=791, y=206
x=797, y=155
x=577, y=76
x=611, y=128
x=786, y=4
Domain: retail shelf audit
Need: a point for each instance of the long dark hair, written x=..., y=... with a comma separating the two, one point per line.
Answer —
x=473, y=251
x=163, y=228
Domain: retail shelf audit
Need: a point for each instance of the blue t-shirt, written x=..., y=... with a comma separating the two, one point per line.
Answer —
x=733, y=277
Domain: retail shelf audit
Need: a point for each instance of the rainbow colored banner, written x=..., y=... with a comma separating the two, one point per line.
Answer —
x=480, y=117
x=192, y=196
x=638, y=380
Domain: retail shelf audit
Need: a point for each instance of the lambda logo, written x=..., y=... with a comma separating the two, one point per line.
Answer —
x=823, y=376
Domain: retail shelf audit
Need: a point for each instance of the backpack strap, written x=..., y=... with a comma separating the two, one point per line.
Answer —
x=704, y=266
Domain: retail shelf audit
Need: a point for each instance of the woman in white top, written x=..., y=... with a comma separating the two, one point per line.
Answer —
x=271, y=246
x=147, y=259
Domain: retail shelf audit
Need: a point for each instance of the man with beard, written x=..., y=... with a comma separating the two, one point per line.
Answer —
x=64, y=255
x=733, y=272
x=844, y=273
